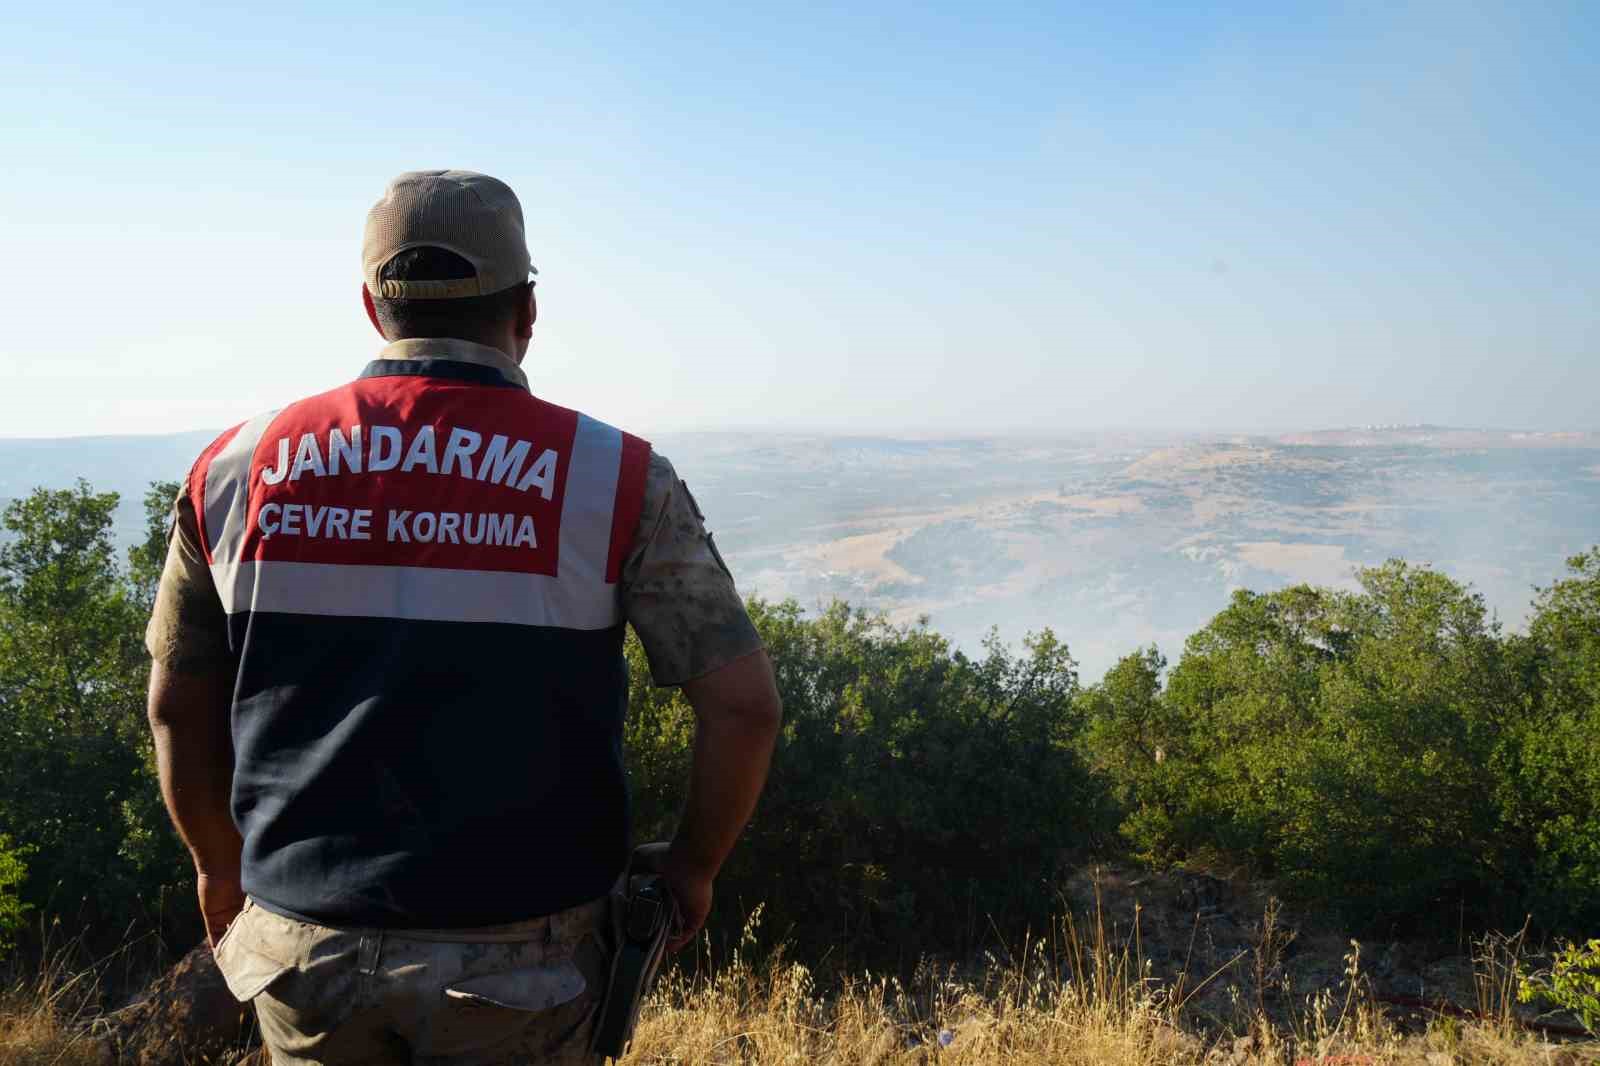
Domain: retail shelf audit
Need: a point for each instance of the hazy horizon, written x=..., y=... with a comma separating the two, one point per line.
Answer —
x=928, y=219
x=914, y=433
x=1114, y=540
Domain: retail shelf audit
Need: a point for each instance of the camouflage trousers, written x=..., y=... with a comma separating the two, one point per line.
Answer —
x=526, y=993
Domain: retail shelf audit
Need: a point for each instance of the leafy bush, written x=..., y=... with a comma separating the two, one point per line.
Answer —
x=75, y=774
x=1550, y=777
x=917, y=795
x=1385, y=750
x=1135, y=741
x=13, y=910
x=1572, y=983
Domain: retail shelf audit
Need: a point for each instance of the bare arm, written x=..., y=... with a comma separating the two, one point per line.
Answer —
x=681, y=601
x=189, y=721
x=738, y=715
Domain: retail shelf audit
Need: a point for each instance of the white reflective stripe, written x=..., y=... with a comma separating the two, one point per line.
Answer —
x=416, y=593
x=591, y=493
x=228, y=489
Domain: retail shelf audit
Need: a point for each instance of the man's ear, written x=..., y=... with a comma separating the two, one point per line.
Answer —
x=527, y=316
x=372, y=312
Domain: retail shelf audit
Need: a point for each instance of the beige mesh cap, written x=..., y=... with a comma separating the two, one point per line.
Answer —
x=473, y=215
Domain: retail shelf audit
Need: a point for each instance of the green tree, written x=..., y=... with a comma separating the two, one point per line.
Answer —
x=146, y=559
x=13, y=910
x=156, y=857
x=1394, y=809
x=1345, y=743
x=1243, y=699
x=1141, y=744
x=917, y=793
x=74, y=767
x=1551, y=788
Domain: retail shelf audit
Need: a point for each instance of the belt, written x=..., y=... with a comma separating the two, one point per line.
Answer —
x=584, y=915
x=588, y=915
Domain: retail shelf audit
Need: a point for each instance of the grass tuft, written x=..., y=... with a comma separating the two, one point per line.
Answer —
x=1081, y=996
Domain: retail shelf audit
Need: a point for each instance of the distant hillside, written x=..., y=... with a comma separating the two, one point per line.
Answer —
x=125, y=465
x=1112, y=539
x=1441, y=437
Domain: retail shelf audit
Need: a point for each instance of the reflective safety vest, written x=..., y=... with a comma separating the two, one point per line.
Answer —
x=420, y=572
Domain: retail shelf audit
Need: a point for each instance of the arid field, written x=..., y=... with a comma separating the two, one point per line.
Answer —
x=1119, y=984
x=774, y=1014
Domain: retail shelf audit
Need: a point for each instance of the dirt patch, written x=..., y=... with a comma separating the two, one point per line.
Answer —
x=864, y=554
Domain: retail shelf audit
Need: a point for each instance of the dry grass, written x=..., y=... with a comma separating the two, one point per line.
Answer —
x=48, y=1013
x=44, y=1018
x=1080, y=998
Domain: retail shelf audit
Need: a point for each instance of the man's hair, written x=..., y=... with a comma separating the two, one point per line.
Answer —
x=466, y=317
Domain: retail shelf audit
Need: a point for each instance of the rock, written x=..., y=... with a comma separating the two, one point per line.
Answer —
x=1170, y=1044
x=1236, y=1053
x=187, y=1016
x=1201, y=892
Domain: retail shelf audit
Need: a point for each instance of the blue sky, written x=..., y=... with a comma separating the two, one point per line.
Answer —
x=884, y=218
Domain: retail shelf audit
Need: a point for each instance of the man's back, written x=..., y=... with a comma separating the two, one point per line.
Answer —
x=388, y=686
x=420, y=574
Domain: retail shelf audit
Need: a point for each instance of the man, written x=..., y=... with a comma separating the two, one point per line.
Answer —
x=388, y=686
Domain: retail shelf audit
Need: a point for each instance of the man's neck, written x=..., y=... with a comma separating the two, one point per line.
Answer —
x=457, y=349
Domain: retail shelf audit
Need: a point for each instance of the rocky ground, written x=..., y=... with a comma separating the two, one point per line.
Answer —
x=1228, y=948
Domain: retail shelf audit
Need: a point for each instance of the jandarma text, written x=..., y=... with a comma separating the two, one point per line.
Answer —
x=386, y=448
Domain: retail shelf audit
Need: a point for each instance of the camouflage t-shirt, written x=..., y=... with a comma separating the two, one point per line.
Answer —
x=676, y=592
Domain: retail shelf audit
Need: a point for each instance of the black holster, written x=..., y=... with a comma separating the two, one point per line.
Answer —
x=642, y=910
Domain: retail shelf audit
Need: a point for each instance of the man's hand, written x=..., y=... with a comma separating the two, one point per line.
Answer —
x=221, y=900
x=691, y=889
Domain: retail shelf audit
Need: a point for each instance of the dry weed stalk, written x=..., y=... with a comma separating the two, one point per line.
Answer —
x=45, y=1015
x=1496, y=974
x=1083, y=996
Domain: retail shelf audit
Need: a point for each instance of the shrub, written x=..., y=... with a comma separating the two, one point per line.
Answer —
x=1344, y=743
x=74, y=769
x=1572, y=983
x=13, y=910
x=917, y=796
x=1550, y=776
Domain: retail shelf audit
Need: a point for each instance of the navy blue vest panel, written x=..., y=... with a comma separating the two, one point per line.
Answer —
x=395, y=774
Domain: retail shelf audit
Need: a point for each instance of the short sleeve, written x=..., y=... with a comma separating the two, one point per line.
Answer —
x=188, y=630
x=676, y=591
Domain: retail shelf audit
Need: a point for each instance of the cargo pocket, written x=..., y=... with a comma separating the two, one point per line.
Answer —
x=244, y=960
x=532, y=1005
